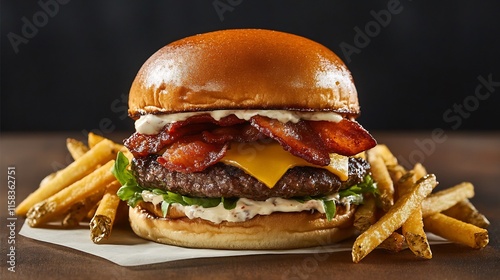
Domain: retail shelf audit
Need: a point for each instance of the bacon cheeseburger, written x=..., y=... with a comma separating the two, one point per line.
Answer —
x=245, y=139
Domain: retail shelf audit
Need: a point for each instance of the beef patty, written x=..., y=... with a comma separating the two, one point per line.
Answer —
x=221, y=180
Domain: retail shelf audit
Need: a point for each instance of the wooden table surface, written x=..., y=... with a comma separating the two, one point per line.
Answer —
x=453, y=157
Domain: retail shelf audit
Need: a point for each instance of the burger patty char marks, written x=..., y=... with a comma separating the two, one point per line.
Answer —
x=221, y=180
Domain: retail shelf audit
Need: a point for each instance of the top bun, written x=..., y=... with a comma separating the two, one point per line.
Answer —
x=243, y=69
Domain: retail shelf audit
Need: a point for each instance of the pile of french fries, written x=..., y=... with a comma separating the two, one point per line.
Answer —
x=394, y=220
x=84, y=191
x=406, y=206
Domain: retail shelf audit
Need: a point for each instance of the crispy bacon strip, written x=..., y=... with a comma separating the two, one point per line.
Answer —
x=345, y=137
x=200, y=141
x=297, y=138
x=192, y=154
x=142, y=145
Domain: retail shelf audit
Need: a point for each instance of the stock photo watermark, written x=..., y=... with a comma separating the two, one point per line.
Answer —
x=223, y=6
x=31, y=26
x=362, y=37
x=454, y=116
x=11, y=219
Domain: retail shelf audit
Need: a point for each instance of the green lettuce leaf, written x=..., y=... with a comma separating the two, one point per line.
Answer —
x=354, y=194
x=330, y=209
x=130, y=191
x=164, y=208
x=229, y=203
x=367, y=186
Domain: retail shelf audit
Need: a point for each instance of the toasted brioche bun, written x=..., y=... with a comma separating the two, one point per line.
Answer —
x=275, y=231
x=243, y=69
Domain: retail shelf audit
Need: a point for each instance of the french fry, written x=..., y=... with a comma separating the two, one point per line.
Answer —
x=466, y=212
x=442, y=200
x=365, y=216
x=93, y=139
x=396, y=172
x=457, y=231
x=103, y=220
x=395, y=242
x=419, y=171
x=47, y=179
x=383, y=152
x=78, y=211
x=413, y=227
x=76, y=148
x=361, y=155
x=59, y=203
x=100, y=154
x=92, y=211
x=385, y=185
x=393, y=219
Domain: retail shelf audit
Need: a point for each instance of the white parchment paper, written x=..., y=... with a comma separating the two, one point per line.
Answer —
x=125, y=243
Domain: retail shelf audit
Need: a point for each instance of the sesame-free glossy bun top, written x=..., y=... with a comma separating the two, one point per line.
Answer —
x=243, y=69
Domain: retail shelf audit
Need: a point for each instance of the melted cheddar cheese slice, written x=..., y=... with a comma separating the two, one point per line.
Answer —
x=268, y=162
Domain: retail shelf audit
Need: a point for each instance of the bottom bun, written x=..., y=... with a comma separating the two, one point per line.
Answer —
x=275, y=231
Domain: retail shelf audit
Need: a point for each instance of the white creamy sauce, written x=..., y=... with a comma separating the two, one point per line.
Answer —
x=151, y=124
x=245, y=208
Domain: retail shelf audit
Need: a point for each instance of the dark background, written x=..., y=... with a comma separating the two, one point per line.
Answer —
x=418, y=72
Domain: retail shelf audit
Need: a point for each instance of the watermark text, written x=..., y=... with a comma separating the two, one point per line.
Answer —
x=223, y=6
x=454, y=116
x=11, y=218
x=31, y=26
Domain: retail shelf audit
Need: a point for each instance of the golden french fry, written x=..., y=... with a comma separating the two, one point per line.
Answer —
x=383, y=152
x=76, y=148
x=74, y=217
x=60, y=202
x=413, y=227
x=78, y=211
x=466, y=212
x=47, y=179
x=396, y=172
x=442, y=200
x=103, y=220
x=393, y=219
x=385, y=185
x=100, y=154
x=365, y=216
x=419, y=171
x=395, y=242
x=417, y=242
x=361, y=155
x=92, y=211
x=457, y=231
x=93, y=139
x=405, y=182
